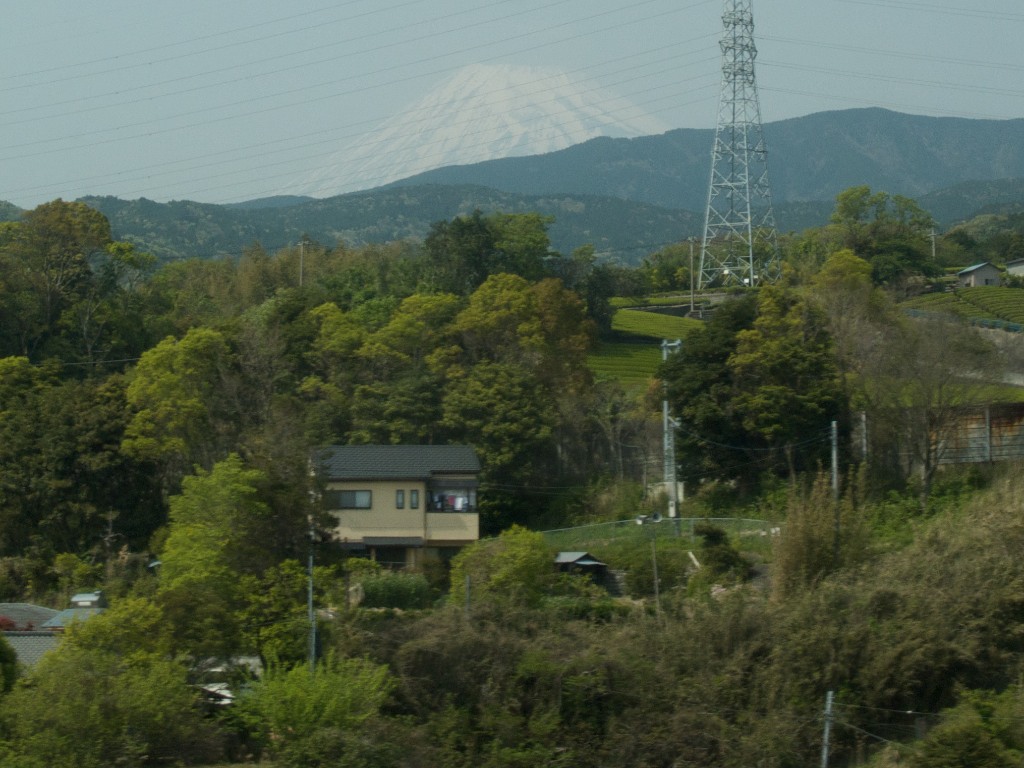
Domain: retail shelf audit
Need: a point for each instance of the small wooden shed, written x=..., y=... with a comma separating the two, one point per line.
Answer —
x=985, y=273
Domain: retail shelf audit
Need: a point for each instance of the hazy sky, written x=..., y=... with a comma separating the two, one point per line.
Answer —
x=229, y=100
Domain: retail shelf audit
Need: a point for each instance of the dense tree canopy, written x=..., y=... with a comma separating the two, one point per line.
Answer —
x=155, y=431
x=889, y=231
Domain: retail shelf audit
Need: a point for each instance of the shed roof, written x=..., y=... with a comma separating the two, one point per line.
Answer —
x=576, y=558
x=976, y=267
x=366, y=462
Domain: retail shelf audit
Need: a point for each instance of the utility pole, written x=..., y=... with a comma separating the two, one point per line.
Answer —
x=691, y=276
x=740, y=244
x=668, y=425
x=835, y=487
x=828, y=730
x=310, y=609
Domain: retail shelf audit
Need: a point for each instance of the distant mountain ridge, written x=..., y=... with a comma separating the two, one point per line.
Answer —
x=811, y=158
x=627, y=197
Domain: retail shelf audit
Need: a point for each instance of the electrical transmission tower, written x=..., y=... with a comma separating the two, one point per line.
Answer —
x=740, y=244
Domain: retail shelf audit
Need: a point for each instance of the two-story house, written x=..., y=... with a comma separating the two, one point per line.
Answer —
x=402, y=504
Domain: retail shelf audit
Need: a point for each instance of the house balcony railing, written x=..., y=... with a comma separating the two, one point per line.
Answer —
x=448, y=506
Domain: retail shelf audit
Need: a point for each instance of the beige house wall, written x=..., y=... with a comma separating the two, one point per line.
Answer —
x=383, y=518
x=453, y=527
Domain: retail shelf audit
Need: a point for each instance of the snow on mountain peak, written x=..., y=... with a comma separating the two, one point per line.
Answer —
x=482, y=112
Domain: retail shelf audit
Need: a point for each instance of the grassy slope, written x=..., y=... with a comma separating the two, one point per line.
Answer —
x=633, y=355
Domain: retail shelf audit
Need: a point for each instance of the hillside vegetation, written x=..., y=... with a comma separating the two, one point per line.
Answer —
x=157, y=422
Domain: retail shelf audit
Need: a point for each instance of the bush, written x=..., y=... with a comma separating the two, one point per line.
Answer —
x=307, y=720
x=514, y=569
x=407, y=591
x=94, y=708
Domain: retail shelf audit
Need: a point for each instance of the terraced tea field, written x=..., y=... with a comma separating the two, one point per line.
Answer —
x=634, y=353
x=986, y=305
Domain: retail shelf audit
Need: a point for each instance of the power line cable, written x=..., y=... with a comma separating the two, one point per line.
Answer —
x=575, y=22
x=411, y=121
x=931, y=9
x=249, y=76
x=121, y=66
x=290, y=92
x=290, y=162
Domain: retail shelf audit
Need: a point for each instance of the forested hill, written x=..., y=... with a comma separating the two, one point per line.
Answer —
x=618, y=229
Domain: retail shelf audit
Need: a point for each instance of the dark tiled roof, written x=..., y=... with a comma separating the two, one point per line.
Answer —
x=29, y=647
x=26, y=615
x=370, y=462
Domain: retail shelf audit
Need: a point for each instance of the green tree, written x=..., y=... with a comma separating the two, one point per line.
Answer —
x=711, y=439
x=308, y=718
x=274, y=617
x=398, y=398
x=191, y=293
x=856, y=312
x=218, y=533
x=216, y=527
x=500, y=409
x=459, y=255
x=889, y=231
x=177, y=404
x=961, y=744
x=669, y=268
x=522, y=244
x=65, y=485
x=94, y=708
x=46, y=258
x=516, y=568
x=8, y=666
x=787, y=385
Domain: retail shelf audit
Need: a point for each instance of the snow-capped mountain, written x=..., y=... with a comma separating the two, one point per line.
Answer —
x=483, y=112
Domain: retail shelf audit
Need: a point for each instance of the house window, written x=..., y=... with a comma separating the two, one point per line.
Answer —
x=349, y=499
x=399, y=499
x=454, y=500
x=414, y=499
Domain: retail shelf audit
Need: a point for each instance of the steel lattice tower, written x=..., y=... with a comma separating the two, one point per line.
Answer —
x=740, y=245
